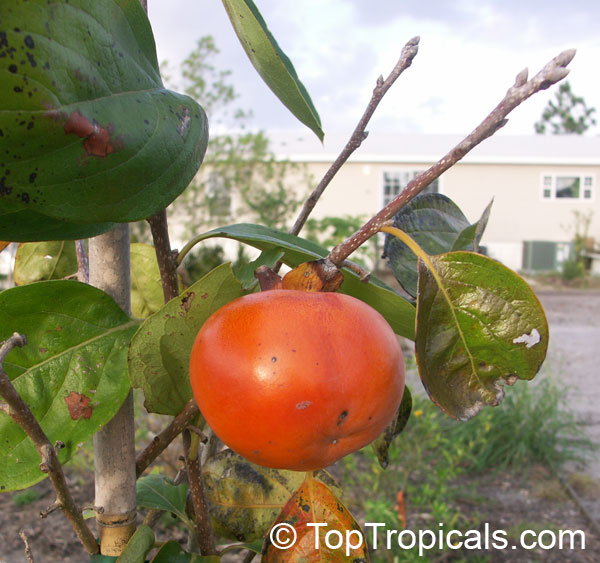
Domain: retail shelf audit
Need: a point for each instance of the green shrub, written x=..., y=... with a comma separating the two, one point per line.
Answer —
x=533, y=425
x=572, y=269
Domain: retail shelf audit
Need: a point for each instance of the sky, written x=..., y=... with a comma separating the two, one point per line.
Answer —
x=470, y=52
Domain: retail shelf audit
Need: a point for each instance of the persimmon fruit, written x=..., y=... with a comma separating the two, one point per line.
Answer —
x=296, y=380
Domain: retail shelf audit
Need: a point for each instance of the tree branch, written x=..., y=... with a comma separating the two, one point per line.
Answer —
x=206, y=540
x=167, y=263
x=522, y=89
x=162, y=440
x=114, y=443
x=22, y=415
x=408, y=53
x=25, y=539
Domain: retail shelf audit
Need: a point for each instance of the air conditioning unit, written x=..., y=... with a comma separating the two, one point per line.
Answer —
x=544, y=255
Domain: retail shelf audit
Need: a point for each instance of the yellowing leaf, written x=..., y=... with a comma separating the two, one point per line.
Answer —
x=245, y=498
x=311, y=525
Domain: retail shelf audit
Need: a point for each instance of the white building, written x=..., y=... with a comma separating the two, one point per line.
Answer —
x=538, y=183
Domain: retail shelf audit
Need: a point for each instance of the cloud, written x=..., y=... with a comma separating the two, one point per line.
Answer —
x=470, y=52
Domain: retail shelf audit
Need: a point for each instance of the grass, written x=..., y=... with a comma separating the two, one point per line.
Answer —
x=533, y=425
x=26, y=497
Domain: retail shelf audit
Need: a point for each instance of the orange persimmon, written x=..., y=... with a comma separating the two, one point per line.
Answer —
x=296, y=380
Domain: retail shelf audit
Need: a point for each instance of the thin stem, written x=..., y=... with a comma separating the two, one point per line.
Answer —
x=22, y=415
x=188, y=247
x=25, y=539
x=522, y=89
x=167, y=263
x=359, y=135
x=206, y=540
x=162, y=440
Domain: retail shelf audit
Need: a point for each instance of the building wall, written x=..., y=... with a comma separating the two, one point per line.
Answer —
x=519, y=212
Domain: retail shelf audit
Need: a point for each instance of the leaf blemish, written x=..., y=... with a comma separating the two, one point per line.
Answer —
x=530, y=340
x=97, y=141
x=78, y=406
x=187, y=301
x=184, y=122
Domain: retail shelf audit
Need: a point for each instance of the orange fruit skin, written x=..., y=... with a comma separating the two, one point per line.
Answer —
x=296, y=380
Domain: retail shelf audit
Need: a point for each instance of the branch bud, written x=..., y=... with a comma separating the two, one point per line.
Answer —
x=521, y=78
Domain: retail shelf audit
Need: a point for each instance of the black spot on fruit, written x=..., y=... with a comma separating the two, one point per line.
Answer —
x=29, y=41
x=342, y=417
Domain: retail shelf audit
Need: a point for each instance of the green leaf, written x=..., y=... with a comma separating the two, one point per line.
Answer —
x=160, y=351
x=245, y=272
x=381, y=445
x=398, y=312
x=138, y=545
x=470, y=237
x=478, y=325
x=72, y=373
x=245, y=498
x=40, y=261
x=271, y=62
x=157, y=492
x=89, y=136
x=146, y=287
x=437, y=225
x=172, y=552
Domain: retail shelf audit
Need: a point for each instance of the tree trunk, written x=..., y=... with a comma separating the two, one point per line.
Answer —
x=114, y=445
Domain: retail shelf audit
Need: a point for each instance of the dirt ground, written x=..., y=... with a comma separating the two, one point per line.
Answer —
x=574, y=318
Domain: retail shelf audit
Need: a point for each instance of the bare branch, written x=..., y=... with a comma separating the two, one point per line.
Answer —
x=206, y=540
x=522, y=89
x=162, y=440
x=167, y=263
x=22, y=415
x=52, y=508
x=25, y=539
x=360, y=134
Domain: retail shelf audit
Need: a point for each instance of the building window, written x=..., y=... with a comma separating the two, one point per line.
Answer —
x=395, y=182
x=570, y=187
